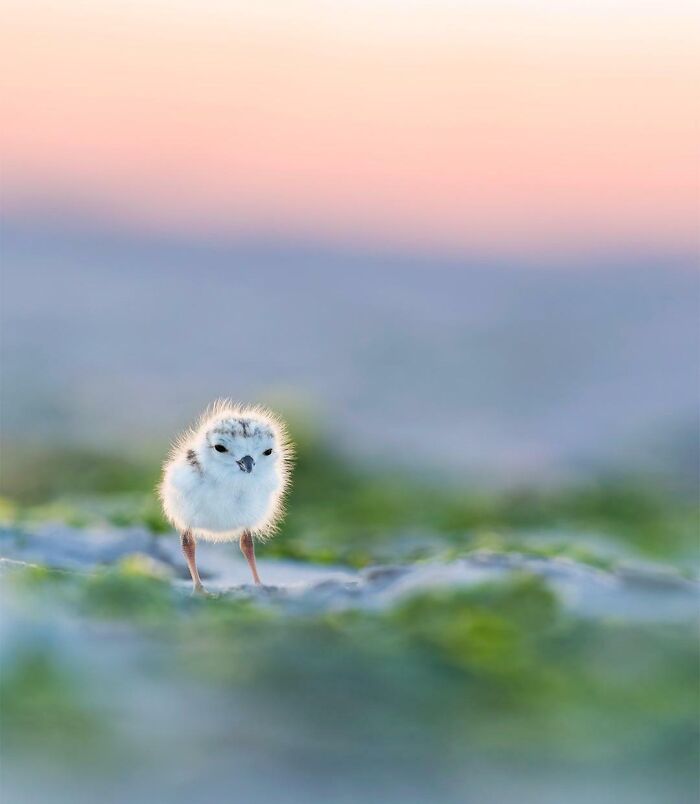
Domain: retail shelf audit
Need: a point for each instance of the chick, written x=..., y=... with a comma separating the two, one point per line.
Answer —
x=225, y=480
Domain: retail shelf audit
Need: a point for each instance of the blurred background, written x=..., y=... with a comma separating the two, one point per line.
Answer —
x=463, y=234
x=455, y=243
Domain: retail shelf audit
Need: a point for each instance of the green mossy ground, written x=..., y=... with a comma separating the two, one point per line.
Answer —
x=500, y=672
x=338, y=513
x=497, y=668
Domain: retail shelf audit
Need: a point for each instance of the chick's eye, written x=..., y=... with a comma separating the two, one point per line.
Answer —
x=220, y=448
x=267, y=452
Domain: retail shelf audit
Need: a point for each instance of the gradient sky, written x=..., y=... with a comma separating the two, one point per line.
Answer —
x=441, y=125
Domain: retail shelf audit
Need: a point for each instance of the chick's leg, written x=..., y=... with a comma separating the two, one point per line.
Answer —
x=248, y=550
x=188, y=548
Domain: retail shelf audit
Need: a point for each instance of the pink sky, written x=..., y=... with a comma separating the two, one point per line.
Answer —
x=452, y=125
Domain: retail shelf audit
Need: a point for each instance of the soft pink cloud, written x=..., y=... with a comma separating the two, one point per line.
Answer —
x=537, y=130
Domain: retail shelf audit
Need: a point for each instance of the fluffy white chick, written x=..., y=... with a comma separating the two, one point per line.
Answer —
x=225, y=480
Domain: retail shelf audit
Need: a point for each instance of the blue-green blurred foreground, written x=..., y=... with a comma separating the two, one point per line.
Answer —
x=412, y=645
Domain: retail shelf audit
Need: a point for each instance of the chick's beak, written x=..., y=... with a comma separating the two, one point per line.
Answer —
x=246, y=464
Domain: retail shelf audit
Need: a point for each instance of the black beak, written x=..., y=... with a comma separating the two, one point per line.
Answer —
x=246, y=464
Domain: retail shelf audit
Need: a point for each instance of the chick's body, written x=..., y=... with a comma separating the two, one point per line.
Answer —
x=225, y=479
x=217, y=509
